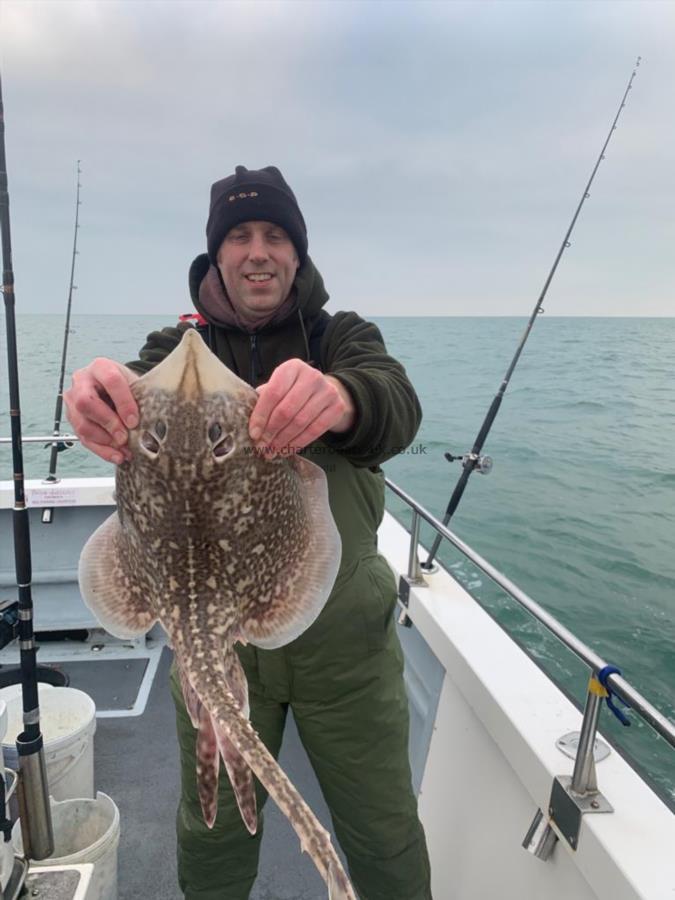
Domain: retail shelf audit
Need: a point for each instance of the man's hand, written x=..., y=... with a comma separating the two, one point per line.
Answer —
x=101, y=408
x=296, y=406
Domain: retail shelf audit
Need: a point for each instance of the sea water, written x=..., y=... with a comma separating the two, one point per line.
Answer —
x=579, y=509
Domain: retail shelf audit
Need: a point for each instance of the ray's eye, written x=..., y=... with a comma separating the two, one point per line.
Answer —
x=160, y=429
x=149, y=443
x=224, y=448
x=222, y=443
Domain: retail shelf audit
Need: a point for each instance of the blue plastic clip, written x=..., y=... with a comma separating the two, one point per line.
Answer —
x=603, y=675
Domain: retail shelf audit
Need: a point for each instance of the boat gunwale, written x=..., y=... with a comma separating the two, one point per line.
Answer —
x=618, y=684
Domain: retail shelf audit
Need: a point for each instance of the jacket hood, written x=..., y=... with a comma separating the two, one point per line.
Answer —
x=310, y=295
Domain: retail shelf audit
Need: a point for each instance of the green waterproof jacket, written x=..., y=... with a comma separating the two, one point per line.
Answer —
x=388, y=415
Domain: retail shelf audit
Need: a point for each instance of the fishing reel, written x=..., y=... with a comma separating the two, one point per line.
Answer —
x=482, y=464
x=60, y=446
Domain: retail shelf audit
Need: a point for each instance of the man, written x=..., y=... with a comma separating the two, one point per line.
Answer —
x=326, y=386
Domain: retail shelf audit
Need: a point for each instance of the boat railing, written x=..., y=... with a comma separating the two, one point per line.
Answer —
x=571, y=797
x=612, y=681
x=47, y=439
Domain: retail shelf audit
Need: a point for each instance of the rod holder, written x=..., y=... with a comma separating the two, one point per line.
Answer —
x=414, y=568
x=414, y=575
x=540, y=838
x=572, y=798
x=584, y=779
x=37, y=832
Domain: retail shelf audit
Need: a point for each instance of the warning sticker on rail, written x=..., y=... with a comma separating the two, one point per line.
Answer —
x=51, y=496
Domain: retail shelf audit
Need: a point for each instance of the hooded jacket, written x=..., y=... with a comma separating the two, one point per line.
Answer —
x=343, y=676
x=351, y=349
x=357, y=620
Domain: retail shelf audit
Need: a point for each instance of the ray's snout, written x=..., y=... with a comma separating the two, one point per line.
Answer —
x=197, y=363
x=192, y=371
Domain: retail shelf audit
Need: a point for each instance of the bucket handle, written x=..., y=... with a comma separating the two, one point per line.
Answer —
x=74, y=760
x=9, y=792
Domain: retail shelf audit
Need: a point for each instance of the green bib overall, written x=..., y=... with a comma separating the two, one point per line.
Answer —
x=343, y=679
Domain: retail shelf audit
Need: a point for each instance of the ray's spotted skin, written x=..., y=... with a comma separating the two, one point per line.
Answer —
x=218, y=544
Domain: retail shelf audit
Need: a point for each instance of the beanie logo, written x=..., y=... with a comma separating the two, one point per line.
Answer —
x=241, y=196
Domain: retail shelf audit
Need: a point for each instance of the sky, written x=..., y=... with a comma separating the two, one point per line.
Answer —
x=437, y=150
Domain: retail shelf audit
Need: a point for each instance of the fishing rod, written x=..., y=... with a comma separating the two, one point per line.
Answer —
x=36, y=822
x=59, y=445
x=473, y=461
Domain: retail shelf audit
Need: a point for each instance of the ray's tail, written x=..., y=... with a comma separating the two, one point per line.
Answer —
x=313, y=836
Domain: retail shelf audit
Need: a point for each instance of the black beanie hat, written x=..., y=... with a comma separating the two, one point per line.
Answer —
x=254, y=195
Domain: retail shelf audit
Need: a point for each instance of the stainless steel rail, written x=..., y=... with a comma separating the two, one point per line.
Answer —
x=47, y=439
x=618, y=684
x=622, y=688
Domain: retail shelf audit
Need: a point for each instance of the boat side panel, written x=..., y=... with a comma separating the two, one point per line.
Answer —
x=423, y=678
x=475, y=813
x=503, y=738
x=55, y=551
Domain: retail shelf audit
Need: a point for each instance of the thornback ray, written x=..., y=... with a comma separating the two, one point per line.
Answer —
x=219, y=545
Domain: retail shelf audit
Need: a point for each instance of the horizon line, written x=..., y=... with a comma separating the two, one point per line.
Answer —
x=381, y=315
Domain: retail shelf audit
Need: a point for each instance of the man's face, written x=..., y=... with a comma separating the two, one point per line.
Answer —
x=258, y=263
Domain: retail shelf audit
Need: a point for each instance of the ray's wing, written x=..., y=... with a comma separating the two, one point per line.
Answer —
x=272, y=619
x=110, y=588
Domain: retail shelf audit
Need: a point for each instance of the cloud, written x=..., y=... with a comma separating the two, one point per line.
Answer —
x=438, y=149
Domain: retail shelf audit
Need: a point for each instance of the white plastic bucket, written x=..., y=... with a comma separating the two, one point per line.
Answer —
x=85, y=831
x=68, y=723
